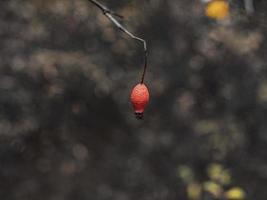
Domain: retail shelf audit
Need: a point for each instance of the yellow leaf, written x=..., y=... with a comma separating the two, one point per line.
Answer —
x=217, y=9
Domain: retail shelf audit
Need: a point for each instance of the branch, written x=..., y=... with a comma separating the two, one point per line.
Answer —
x=111, y=16
x=249, y=6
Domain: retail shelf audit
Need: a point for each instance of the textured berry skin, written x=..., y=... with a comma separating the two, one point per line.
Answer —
x=139, y=99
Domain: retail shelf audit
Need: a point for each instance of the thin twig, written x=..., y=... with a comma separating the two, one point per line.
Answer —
x=111, y=16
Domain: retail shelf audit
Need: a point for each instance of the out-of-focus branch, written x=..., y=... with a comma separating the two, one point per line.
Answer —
x=112, y=17
x=249, y=6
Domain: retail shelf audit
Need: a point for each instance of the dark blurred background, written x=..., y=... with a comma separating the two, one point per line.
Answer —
x=67, y=128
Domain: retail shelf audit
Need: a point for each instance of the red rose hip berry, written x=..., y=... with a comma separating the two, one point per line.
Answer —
x=139, y=99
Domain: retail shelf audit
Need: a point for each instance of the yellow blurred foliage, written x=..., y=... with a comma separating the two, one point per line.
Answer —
x=235, y=193
x=218, y=173
x=262, y=92
x=213, y=188
x=193, y=190
x=185, y=173
x=207, y=126
x=217, y=9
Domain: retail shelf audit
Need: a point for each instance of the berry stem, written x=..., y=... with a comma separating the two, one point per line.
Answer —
x=145, y=66
x=112, y=17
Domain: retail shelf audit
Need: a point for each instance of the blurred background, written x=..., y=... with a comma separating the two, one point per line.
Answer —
x=67, y=128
